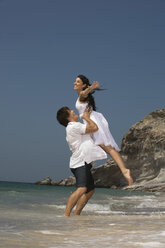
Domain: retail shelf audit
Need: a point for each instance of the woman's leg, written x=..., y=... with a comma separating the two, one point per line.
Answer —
x=119, y=161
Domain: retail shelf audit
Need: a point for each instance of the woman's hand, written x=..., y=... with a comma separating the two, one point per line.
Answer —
x=94, y=85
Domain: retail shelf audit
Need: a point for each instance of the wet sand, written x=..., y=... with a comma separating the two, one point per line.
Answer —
x=92, y=231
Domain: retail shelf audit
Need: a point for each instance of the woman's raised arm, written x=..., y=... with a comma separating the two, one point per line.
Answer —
x=84, y=93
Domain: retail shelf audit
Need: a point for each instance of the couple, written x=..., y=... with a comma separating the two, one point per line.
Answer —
x=89, y=141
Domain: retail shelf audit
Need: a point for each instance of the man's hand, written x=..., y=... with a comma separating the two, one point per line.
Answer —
x=87, y=113
x=91, y=125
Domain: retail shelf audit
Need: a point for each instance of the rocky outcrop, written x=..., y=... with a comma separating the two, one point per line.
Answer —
x=143, y=150
x=108, y=175
x=45, y=181
x=48, y=181
x=70, y=181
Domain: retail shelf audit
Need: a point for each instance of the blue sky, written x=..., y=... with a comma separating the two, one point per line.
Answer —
x=44, y=45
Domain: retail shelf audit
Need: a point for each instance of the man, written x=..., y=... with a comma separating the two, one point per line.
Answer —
x=84, y=151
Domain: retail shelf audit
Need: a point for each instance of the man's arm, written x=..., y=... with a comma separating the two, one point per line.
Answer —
x=91, y=125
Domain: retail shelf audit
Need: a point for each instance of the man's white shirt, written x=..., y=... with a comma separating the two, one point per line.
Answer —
x=82, y=146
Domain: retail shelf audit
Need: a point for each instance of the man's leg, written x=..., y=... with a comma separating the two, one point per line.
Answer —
x=82, y=202
x=90, y=190
x=80, y=175
x=73, y=199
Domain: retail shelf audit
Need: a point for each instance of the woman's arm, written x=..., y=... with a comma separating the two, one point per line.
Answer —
x=84, y=93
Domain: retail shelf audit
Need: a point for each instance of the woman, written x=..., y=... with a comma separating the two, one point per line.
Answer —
x=103, y=136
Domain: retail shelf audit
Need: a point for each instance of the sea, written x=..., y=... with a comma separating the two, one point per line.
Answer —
x=31, y=216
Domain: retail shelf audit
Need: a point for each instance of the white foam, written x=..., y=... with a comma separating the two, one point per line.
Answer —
x=97, y=207
x=89, y=207
x=162, y=233
x=72, y=242
x=103, y=212
x=148, y=203
x=55, y=206
x=95, y=229
x=106, y=208
x=149, y=244
x=47, y=232
x=111, y=212
x=19, y=234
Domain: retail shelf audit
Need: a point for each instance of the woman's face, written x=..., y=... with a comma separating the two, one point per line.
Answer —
x=78, y=84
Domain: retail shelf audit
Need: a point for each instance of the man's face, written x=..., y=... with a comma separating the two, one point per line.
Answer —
x=72, y=116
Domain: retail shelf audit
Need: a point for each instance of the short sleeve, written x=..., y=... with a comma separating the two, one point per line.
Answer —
x=79, y=128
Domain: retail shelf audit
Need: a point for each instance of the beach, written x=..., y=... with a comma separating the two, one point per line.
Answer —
x=32, y=216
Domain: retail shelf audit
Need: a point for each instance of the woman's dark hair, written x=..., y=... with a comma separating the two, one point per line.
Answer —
x=90, y=99
x=62, y=116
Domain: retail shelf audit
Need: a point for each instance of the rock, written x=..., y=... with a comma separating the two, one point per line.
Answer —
x=56, y=183
x=70, y=181
x=147, y=187
x=46, y=181
x=144, y=149
x=108, y=175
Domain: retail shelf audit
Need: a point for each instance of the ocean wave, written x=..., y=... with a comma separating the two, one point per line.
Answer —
x=122, y=208
x=14, y=192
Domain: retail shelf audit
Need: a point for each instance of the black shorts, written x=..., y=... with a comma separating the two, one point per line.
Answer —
x=84, y=177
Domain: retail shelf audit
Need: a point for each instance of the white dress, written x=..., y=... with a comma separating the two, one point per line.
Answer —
x=103, y=136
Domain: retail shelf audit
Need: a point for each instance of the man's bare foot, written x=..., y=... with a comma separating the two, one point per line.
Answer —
x=128, y=177
x=65, y=215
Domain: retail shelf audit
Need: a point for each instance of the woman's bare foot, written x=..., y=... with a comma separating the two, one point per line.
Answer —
x=128, y=177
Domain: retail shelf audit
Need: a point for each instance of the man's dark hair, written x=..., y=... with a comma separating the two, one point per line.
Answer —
x=62, y=116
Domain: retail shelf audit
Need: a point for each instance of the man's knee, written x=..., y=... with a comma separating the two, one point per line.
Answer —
x=81, y=190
